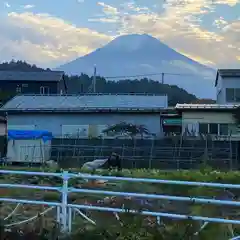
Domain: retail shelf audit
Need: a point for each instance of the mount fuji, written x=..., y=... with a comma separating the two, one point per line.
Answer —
x=145, y=56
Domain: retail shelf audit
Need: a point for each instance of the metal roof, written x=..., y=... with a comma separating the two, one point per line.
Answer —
x=85, y=103
x=31, y=76
x=207, y=106
x=227, y=73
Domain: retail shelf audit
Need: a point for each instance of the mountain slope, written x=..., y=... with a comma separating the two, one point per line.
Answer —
x=142, y=54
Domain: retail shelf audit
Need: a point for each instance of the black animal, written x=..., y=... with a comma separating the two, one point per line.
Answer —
x=114, y=161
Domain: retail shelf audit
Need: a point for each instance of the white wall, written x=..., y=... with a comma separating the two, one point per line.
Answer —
x=208, y=117
x=59, y=123
x=223, y=83
x=191, y=120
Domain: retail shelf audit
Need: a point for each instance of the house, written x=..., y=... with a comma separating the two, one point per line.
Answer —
x=84, y=116
x=213, y=120
x=227, y=85
x=48, y=82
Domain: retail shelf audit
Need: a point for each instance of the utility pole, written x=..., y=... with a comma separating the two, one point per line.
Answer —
x=94, y=79
x=162, y=78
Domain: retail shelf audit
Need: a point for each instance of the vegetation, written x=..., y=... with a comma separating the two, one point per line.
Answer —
x=127, y=129
x=82, y=84
x=134, y=226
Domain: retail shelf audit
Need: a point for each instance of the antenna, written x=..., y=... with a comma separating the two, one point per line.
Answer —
x=94, y=78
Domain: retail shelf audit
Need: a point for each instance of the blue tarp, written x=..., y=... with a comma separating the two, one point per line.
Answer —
x=29, y=134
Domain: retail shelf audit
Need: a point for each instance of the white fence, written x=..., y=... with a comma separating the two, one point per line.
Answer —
x=65, y=210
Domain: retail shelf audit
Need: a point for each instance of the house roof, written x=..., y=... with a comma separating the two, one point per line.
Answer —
x=31, y=76
x=227, y=73
x=206, y=107
x=85, y=103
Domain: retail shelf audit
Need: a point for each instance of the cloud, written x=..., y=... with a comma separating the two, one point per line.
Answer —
x=220, y=22
x=49, y=41
x=46, y=40
x=180, y=26
x=7, y=5
x=107, y=9
x=28, y=6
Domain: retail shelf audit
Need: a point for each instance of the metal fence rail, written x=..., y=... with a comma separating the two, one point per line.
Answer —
x=65, y=210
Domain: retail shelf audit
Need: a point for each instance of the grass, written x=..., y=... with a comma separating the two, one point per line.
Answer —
x=172, y=230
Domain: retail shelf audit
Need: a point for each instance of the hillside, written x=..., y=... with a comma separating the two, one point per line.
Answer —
x=131, y=55
x=82, y=84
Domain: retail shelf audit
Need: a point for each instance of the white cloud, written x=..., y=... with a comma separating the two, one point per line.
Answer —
x=46, y=40
x=7, y=5
x=80, y=1
x=220, y=22
x=179, y=26
x=28, y=6
x=107, y=9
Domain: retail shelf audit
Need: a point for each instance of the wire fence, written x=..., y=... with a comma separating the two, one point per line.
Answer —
x=175, y=157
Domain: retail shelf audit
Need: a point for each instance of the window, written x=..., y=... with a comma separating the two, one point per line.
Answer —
x=44, y=90
x=203, y=128
x=237, y=94
x=213, y=128
x=233, y=94
x=230, y=94
x=223, y=129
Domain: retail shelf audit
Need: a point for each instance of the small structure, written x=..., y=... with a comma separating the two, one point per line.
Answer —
x=209, y=119
x=84, y=116
x=48, y=82
x=29, y=146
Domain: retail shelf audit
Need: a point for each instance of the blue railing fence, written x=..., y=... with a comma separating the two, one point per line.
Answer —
x=64, y=209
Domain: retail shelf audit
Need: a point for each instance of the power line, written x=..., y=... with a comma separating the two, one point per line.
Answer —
x=151, y=74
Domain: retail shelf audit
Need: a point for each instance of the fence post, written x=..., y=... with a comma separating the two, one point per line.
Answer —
x=64, y=217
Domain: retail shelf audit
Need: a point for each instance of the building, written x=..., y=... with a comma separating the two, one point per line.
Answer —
x=15, y=82
x=216, y=120
x=228, y=86
x=84, y=115
x=209, y=119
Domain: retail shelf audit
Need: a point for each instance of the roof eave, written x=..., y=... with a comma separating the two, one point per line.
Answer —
x=81, y=110
x=205, y=109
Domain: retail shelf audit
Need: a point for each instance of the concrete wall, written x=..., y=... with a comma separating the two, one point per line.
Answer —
x=223, y=83
x=55, y=122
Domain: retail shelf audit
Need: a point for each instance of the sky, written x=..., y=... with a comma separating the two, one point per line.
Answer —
x=50, y=33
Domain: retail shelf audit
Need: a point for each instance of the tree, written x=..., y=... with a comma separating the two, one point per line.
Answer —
x=127, y=129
